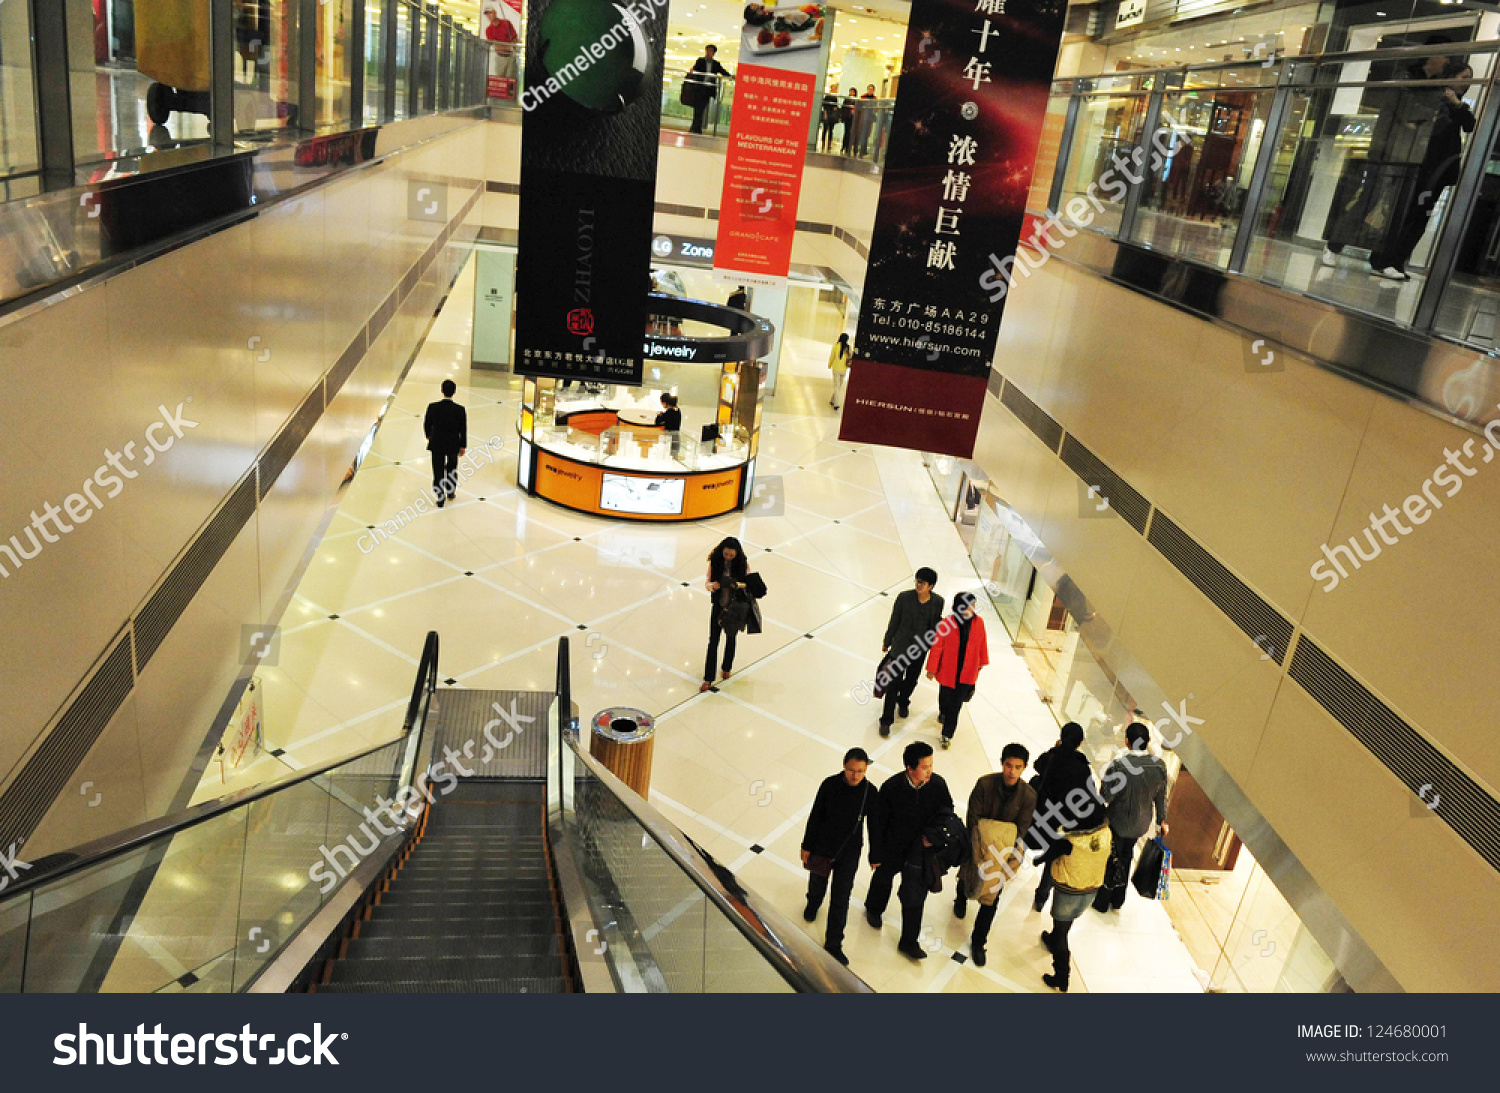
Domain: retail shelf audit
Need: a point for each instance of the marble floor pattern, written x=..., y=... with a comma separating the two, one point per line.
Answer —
x=503, y=576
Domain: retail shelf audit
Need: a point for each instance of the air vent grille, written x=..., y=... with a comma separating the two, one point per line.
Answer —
x=170, y=600
x=50, y=768
x=339, y=374
x=281, y=450
x=1122, y=496
x=1452, y=795
x=1032, y=416
x=1261, y=622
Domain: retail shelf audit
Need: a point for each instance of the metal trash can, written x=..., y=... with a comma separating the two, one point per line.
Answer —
x=623, y=739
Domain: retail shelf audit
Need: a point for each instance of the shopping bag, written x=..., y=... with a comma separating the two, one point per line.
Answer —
x=1153, y=872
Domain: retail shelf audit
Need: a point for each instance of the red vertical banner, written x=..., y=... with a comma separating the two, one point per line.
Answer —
x=969, y=113
x=775, y=89
x=502, y=30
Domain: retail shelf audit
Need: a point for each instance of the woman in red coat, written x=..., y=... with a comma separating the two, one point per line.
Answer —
x=957, y=655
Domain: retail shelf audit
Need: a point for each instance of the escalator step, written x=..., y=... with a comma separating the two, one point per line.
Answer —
x=395, y=969
x=461, y=897
x=452, y=929
x=492, y=947
x=508, y=985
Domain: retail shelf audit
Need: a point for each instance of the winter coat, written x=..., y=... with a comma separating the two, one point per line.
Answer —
x=900, y=814
x=988, y=802
x=943, y=660
x=1061, y=773
x=834, y=826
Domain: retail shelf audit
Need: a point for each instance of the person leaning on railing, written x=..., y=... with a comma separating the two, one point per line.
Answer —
x=701, y=85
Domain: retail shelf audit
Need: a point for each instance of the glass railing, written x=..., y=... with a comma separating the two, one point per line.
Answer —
x=203, y=901
x=852, y=127
x=662, y=916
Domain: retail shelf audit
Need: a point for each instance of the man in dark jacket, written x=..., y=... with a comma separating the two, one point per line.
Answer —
x=1067, y=799
x=908, y=635
x=703, y=82
x=1004, y=797
x=835, y=831
x=1133, y=786
x=907, y=804
x=446, y=426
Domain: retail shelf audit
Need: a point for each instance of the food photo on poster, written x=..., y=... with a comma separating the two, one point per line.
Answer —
x=787, y=37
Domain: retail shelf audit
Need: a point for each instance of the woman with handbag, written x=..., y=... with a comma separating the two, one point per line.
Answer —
x=734, y=590
x=1076, y=864
x=832, y=844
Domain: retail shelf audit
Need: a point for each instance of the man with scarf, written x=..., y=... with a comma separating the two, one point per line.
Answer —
x=958, y=653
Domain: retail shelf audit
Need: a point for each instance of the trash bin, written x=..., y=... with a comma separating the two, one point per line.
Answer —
x=622, y=740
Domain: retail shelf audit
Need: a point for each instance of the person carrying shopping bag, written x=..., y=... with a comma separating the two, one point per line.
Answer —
x=734, y=591
x=956, y=658
x=838, y=363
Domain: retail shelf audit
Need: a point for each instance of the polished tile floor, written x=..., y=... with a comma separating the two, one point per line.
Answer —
x=503, y=576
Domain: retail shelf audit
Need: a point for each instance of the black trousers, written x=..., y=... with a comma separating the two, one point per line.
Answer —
x=1111, y=894
x=848, y=144
x=700, y=111
x=950, y=701
x=900, y=689
x=444, y=473
x=985, y=916
x=715, y=628
x=1397, y=247
x=844, y=870
x=913, y=897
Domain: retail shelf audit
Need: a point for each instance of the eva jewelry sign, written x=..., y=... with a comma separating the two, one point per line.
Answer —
x=1131, y=13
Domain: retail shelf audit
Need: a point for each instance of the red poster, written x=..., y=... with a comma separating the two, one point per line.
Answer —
x=502, y=30
x=773, y=104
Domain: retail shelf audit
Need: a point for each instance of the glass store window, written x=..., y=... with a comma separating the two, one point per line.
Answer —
x=266, y=65
x=404, y=18
x=1470, y=307
x=1108, y=123
x=1363, y=175
x=1191, y=204
x=138, y=75
x=335, y=34
x=374, y=61
x=18, y=147
x=428, y=62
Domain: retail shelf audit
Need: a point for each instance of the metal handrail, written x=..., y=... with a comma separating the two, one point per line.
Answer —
x=91, y=854
x=794, y=956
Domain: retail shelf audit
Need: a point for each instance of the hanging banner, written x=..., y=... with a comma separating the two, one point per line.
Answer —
x=776, y=86
x=969, y=111
x=502, y=30
x=588, y=179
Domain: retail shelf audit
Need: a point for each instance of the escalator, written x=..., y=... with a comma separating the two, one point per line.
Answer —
x=481, y=851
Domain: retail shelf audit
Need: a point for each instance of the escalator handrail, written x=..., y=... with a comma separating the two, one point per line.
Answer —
x=795, y=956
x=88, y=855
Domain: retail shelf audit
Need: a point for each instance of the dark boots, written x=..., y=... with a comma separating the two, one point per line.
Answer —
x=982, y=919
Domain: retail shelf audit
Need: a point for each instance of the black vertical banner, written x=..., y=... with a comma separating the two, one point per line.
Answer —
x=589, y=140
x=975, y=78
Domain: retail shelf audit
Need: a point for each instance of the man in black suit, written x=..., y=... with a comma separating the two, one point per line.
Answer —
x=906, y=805
x=702, y=85
x=446, y=426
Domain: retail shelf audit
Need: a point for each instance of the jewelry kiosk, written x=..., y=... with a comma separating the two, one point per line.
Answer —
x=588, y=448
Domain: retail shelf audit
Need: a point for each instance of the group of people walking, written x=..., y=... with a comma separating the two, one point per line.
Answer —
x=1082, y=833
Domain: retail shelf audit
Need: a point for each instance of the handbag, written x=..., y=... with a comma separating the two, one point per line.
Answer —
x=736, y=613
x=881, y=683
x=1154, y=871
x=820, y=865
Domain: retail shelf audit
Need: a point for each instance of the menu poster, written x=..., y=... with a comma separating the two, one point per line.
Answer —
x=776, y=88
x=968, y=118
x=589, y=139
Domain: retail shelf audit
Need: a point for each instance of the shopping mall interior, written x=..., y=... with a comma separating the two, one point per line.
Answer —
x=264, y=237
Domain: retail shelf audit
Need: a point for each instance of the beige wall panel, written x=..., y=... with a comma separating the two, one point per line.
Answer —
x=51, y=439
x=349, y=243
x=1404, y=881
x=181, y=690
x=1187, y=647
x=203, y=292
x=1100, y=552
x=290, y=283
x=1416, y=623
x=502, y=152
x=1023, y=468
x=1034, y=312
x=289, y=517
x=106, y=793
